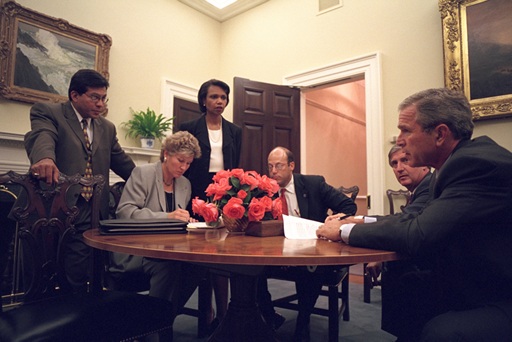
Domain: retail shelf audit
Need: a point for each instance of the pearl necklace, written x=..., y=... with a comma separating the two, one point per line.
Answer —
x=170, y=183
x=215, y=134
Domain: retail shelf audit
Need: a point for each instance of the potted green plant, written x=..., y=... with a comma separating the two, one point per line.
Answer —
x=148, y=126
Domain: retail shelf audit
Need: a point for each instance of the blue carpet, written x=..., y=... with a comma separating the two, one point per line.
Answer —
x=364, y=324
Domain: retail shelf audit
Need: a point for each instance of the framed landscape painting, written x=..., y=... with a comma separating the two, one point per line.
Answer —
x=41, y=53
x=477, y=42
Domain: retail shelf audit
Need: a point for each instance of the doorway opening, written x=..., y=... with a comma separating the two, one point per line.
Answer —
x=366, y=69
x=336, y=113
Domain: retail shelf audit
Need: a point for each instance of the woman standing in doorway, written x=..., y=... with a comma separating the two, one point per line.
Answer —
x=220, y=142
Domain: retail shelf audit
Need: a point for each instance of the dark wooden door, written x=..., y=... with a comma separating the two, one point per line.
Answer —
x=269, y=115
x=184, y=111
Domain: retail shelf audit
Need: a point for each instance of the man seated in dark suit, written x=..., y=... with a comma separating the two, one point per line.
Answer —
x=464, y=231
x=309, y=197
x=416, y=180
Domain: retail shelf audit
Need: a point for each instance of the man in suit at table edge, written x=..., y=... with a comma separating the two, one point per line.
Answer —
x=417, y=181
x=56, y=143
x=310, y=197
x=464, y=231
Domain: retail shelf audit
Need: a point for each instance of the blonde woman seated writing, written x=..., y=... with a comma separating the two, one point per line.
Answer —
x=159, y=190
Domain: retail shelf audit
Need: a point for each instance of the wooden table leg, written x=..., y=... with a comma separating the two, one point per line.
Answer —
x=243, y=321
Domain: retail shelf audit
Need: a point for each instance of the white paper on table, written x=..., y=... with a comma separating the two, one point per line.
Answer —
x=197, y=227
x=300, y=228
x=204, y=225
x=305, y=246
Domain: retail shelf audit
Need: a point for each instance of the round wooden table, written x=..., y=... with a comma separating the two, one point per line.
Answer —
x=244, y=257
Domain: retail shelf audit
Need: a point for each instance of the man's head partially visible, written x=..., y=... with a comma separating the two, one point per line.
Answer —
x=280, y=165
x=431, y=123
x=88, y=93
x=407, y=176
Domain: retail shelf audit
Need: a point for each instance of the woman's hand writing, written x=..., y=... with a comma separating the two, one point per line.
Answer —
x=179, y=214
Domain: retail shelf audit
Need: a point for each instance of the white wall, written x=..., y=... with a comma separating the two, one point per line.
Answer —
x=165, y=39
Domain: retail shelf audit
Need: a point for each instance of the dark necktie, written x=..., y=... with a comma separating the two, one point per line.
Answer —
x=87, y=190
x=283, y=201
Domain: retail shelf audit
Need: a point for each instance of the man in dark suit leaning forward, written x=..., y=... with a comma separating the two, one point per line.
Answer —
x=464, y=231
x=309, y=197
x=57, y=143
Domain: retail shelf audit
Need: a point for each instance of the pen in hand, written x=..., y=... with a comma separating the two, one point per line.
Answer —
x=343, y=217
x=190, y=219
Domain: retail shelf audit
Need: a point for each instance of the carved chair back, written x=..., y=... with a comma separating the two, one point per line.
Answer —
x=116, y=190
x=47, y=217
x=351, y=192
x=397, y=198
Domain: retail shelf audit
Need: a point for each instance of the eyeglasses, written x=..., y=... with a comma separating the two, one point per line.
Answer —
x=96, y=98
x=278, y=166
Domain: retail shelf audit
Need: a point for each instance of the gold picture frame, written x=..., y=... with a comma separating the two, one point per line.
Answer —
x=476, y=62
x=39, y=54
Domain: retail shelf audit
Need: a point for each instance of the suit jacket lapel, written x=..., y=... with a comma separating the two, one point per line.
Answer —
x=227, y=137
x=439, y=178
x=74, y=124
x=202, y=131
x=160, y=186
x=432, y=185
x=98, y=128
x=179, y=192
x=302, y=195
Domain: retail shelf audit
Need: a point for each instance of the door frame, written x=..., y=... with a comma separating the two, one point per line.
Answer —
x=368, y=66
x=170, y=90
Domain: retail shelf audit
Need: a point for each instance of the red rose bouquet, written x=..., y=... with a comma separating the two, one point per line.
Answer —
x=236, y=194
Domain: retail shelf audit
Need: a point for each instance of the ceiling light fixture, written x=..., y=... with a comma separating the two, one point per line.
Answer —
x=231, y=10
x=220, y=4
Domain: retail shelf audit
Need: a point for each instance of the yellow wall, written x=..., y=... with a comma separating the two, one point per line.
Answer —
x=151, y=40
x=165, y=39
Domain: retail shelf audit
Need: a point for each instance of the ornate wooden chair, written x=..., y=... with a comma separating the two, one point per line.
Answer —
x=335, y=282
x=50, y=310
x=351, y=192
x=115, y=192
x=9, y=261
x=397, y=198
x=335, y=287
